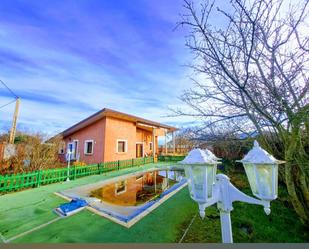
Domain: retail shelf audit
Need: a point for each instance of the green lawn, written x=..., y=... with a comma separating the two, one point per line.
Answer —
x=251, y=224
x=24, y=210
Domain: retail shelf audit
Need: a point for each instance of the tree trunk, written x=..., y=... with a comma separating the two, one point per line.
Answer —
x=296, y=175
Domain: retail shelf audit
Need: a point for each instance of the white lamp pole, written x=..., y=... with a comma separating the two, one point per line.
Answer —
x=68, y=156
x=207, y=188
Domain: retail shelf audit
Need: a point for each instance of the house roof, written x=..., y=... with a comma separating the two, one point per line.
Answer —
x=112, y=113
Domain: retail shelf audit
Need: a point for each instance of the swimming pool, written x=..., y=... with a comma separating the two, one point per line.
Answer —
x=127, y=199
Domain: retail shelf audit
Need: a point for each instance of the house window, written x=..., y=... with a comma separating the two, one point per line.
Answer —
x=150, y=146
x=120, y=187
x=88, y=149
x=122, y=146
x=61, y=148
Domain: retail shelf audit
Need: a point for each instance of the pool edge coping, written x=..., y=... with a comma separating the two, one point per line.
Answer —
x=140, y=215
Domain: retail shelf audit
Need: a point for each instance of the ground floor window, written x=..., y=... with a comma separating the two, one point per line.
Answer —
x=61, y=148
x=122, y=146
x=121, y=187
x=88, y=149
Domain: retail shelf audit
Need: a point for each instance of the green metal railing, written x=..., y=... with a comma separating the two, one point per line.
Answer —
x=170, y=158
x=34, y=179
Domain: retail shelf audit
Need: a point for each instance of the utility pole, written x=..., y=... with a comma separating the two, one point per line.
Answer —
x=13, y=129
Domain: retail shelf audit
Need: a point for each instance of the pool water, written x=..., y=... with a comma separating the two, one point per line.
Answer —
x=127, y=197
x=137, y=190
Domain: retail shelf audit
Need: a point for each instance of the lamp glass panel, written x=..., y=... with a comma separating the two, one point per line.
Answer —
x=276, y=179
x=200, y=181
x=211, y=174
x=214, y=173
x=266, y=185
x=188, y=173
x=250, y=172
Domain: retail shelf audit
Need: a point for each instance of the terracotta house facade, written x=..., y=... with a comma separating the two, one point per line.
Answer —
x=109, y=135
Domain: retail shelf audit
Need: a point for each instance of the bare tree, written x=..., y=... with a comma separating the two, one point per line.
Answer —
x=32, y=153
x=253, y=72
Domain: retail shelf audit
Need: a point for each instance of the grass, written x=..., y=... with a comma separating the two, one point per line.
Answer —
x=159, y=226
x=24, y=210
x=250, y=223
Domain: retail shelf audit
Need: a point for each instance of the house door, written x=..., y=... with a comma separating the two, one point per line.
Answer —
x=139, y=150
x=75, y=153
x=73, y=148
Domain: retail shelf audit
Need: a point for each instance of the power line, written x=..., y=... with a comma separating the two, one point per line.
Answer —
x=9, y=89
x=8, y=103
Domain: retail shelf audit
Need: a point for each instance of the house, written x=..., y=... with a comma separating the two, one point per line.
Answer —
x=109, y=135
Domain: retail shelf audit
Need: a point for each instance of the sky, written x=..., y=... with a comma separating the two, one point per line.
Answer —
x=69, y=59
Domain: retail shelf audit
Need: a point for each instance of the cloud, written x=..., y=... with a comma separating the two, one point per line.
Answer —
x=68, y=59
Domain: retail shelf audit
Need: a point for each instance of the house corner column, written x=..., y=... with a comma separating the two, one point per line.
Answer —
x=153, y=143
x=165, y=141
x=174, y=143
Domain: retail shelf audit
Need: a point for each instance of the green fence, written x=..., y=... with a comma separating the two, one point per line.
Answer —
x=17, y=182
x=170, y=158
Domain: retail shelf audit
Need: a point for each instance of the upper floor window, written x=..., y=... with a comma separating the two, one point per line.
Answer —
x=88, y=148
x=122, y=146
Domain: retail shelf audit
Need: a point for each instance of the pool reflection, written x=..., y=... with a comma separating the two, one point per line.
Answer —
x=138, y=189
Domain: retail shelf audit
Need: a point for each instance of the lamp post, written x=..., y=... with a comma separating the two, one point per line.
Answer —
x=68, y=157
x=207, y=188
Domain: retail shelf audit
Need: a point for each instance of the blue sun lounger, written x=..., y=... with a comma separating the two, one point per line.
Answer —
x=71, y=208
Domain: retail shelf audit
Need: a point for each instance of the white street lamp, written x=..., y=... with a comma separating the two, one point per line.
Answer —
x=207, y=188
x=68, y=157
x=262, y=172
x=201, y=169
